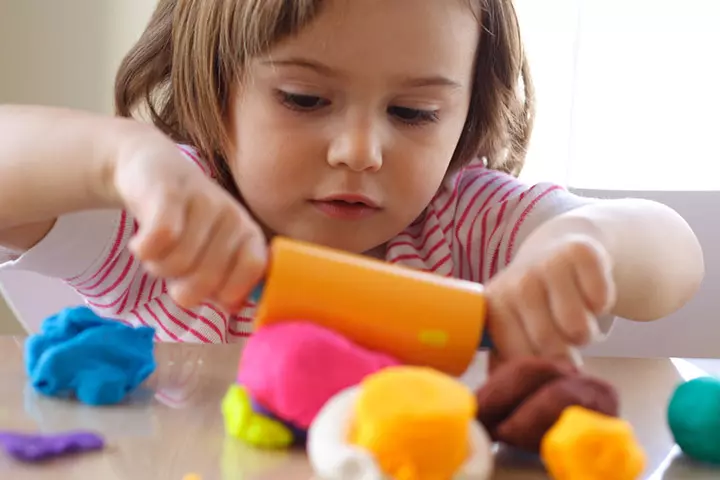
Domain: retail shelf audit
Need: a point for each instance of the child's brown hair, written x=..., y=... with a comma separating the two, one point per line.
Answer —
x=183, y=68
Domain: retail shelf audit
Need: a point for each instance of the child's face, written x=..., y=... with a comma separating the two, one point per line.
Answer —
x=365, y=104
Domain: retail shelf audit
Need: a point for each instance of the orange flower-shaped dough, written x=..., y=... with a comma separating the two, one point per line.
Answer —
x=587, y=445
x=415, y=421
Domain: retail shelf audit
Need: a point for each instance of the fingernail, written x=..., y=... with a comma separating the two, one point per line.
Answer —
x=596, y=335
x=576, y=357
x=258, y=249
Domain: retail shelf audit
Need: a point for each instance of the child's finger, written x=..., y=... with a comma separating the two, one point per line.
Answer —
x=505, y=326
x=533, y=309
x=182, y=259
x=247, y=267
x=593, y=274
x=210, y=270
x=567, y=306
x=161, y=223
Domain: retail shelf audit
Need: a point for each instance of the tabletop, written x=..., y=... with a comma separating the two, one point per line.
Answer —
x=172, y=425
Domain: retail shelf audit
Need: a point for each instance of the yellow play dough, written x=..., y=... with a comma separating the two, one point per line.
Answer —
x=415, y=421
x=587, y=445
x=243, y=423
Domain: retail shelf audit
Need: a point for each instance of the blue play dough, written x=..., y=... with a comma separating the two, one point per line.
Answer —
x=694, y=418
x=257, y=292
x=96, y=360
x=486, y=340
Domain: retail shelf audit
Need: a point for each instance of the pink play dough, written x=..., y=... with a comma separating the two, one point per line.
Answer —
x=294, y=368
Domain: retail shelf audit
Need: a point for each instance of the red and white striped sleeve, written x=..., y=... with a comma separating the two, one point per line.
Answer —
x=476, y=222
x=494, y=213
x=88, y=250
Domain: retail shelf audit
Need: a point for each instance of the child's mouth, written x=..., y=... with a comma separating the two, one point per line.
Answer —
x=346, y=208
x=343, y=203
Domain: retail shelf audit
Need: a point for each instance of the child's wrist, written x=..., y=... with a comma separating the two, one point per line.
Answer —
x=115, y=149
x=107, y=149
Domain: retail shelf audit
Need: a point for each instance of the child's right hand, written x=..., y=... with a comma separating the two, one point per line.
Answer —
x=192, y=232
x=547, y=301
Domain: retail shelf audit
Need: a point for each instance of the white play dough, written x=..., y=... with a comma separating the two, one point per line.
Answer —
x=332, y=458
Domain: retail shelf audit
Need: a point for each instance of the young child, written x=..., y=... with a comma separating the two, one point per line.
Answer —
x=393, y=128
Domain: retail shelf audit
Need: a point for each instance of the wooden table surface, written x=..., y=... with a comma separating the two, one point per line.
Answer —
x=172, y=426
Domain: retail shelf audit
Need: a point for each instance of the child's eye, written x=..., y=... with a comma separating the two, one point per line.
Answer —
x=296, y=101
x=413, y=116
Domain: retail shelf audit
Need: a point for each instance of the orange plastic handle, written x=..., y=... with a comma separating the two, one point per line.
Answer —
x=419, y=318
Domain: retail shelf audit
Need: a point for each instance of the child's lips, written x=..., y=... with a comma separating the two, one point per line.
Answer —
x=350, y=198
x=346, y=207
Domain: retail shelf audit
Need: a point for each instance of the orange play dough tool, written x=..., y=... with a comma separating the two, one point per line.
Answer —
x=587, y=445
x=415, y=421
x=417, y=317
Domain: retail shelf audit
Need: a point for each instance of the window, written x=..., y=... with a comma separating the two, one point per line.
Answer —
x=627, y=92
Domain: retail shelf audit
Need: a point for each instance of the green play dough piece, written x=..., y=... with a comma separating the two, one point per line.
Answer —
x=694, y=418
x=255, y=429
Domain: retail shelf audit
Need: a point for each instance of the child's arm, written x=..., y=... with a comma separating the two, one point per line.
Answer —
x=55, y=162
x=558, y=268
x=657, y=262
x=52, y=161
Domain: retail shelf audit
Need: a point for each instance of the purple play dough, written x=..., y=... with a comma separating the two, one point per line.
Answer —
x=35, y=447
x=299, y=434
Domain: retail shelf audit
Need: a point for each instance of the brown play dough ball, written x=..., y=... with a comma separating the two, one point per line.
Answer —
x=523, y=398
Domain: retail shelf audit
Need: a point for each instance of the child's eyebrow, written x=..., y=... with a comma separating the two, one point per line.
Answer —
x=303, y=63
x=322, y=69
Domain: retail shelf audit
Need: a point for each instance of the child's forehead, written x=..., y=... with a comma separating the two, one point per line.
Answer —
x=352, y=19
x=420, y=35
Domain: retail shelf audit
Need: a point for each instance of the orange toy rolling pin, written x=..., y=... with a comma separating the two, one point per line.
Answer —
x=417, y=317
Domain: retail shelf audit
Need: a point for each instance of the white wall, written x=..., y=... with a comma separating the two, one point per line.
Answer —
x=66, y=52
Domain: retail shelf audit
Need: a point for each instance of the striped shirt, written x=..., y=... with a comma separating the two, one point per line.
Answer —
x=471, y=230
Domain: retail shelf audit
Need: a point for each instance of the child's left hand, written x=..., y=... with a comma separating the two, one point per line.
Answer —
x=546, y=303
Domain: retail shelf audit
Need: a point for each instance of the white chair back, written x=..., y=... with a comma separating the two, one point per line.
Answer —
x=33, y=297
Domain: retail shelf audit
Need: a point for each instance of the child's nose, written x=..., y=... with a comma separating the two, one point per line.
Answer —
x=357, y=147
